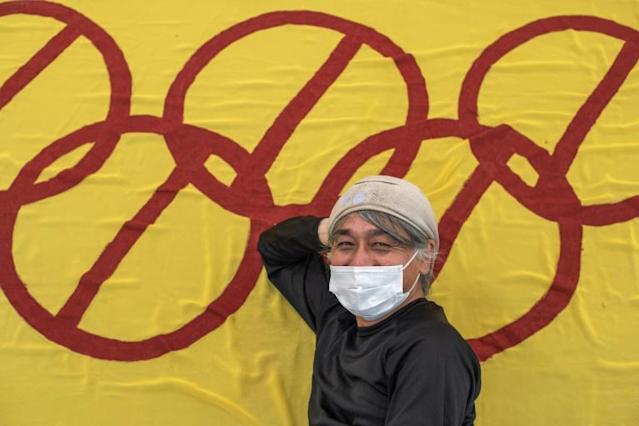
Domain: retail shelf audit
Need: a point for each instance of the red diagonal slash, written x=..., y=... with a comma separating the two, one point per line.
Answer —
x=38, y=62
x=118, y=248
x=287, y=121
x=568, y=145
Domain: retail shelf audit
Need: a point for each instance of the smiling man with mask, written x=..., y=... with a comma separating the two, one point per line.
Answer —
x=384, y=354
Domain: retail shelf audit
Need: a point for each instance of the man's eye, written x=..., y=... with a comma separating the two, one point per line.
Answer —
x=344, y=245
x=380, y=245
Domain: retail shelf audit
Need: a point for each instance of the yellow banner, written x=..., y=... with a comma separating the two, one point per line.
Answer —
x=144, y=147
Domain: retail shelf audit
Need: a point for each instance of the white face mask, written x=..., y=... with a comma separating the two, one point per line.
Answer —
x=370, y=292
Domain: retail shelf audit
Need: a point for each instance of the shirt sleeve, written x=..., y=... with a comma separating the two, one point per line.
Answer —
x=433, y=381
x=291, y=254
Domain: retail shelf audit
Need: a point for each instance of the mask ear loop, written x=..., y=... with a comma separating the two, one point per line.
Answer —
x=410, y=260
x=412, y=287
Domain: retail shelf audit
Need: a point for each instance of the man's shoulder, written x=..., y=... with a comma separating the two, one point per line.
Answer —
x=424, y=328
x=421, y=311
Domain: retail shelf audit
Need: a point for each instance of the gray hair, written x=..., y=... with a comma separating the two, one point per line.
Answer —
x=406, y=234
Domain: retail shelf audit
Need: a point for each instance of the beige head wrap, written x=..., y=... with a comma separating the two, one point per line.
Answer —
x=391, y=195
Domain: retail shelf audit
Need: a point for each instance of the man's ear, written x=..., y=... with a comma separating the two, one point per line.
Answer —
x=426, y=263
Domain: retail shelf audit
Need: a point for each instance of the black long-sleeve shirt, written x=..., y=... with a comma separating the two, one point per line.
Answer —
x=412, y=368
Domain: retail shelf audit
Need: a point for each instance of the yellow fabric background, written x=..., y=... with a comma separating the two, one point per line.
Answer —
x=582, y=369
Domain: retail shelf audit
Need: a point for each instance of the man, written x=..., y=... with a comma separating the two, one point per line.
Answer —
x=384, y=354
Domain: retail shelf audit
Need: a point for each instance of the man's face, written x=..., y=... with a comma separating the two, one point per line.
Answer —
x=359, y=243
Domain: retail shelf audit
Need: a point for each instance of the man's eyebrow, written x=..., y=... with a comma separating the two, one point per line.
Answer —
x=381, y=233
x=377, y=233
x=371, y=233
